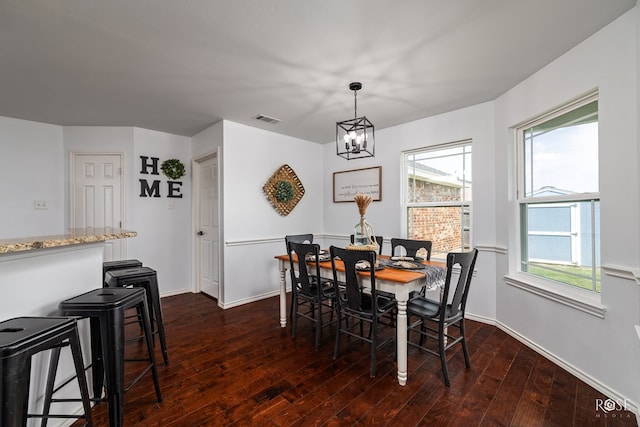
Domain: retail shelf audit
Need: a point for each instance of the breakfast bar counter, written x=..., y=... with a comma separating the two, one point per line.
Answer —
x=74, y=236
x=37, y=273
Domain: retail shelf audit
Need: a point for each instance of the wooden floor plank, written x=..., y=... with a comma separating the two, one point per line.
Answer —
x=239, y=367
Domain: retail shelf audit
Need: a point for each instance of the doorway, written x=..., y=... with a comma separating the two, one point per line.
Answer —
x=207, y=223
x=96, y=196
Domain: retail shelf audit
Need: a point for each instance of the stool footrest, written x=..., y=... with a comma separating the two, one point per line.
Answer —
x=55, y=416
x=71, y=399
x=136, y=379
x=55, y=390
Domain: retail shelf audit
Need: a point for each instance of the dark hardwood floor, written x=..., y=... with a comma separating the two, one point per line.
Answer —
x=239, y=367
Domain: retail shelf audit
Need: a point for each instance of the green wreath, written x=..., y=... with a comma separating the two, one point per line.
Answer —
x=284, y=191
x=173, y=168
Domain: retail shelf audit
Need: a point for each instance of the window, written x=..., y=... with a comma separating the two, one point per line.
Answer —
x=438, y=197
x=558, y=196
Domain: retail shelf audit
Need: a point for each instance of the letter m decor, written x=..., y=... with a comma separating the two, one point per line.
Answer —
x=146, y=191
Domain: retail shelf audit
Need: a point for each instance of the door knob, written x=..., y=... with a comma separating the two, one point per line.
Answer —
x=200, y=233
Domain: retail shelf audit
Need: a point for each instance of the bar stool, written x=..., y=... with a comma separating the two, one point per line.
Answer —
x=105, y=309
x=146, y=278
x=118, y=264
x=20, y=339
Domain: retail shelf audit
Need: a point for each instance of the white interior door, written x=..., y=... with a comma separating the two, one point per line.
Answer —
x=97, y=196
x=208, y=223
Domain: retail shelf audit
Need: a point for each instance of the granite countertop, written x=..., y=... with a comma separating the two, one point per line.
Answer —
x=74, y=236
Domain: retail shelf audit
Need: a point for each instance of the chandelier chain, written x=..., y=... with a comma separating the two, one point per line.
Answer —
x=355, y=104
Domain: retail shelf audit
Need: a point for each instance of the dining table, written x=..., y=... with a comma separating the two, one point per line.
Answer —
x=398, y=281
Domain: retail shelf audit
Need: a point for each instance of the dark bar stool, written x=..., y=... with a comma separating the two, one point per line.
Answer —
x=105, y=309
x=119, y=264
x=21, y=338
x=146, y=278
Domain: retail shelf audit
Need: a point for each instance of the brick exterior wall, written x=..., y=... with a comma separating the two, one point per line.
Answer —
x=441, y=225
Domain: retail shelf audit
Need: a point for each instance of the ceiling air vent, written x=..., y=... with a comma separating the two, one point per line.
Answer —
x=267, y=119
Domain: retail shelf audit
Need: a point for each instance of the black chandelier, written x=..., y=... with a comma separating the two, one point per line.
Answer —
x=355, y=138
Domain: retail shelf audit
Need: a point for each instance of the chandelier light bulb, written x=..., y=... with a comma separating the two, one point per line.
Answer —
x=352, y=135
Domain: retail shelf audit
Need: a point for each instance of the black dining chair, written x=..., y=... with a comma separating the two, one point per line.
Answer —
x=296, y=238
x=411, y=247
x=379, y=241
x=356, y=305
x=434, y=319
x=312, y=297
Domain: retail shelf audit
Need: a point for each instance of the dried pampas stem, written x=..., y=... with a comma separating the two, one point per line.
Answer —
x=363, y=201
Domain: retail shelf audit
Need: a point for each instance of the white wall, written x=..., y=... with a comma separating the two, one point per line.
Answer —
x=253, y=229
x=606, y=350
x=164, y=235
x=474, y=123
x=207, y=141
x=30, y=169
x=163, y=224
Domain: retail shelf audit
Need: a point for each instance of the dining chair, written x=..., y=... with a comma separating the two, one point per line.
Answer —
x=296, y=238
x=411, y=247
x=354, y=302
x=310, y=296
x=379, y=241
x=435, y=318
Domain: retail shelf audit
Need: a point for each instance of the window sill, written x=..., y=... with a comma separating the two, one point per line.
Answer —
x=575, y=298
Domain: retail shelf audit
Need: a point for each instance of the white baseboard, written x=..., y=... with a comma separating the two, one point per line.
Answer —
x=481, y=319
x=178, y=292
x=248, y=300
x=602, y=388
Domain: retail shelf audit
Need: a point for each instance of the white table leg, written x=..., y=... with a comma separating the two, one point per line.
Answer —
x=283, y=294
x=401, y=340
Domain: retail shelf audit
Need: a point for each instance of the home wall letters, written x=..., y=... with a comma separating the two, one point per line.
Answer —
x=149, y=166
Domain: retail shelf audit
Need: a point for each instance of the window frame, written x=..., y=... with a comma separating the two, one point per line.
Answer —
x=406, y=205
x=583, y=299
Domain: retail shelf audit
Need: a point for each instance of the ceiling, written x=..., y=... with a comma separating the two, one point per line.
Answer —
x=180, y=66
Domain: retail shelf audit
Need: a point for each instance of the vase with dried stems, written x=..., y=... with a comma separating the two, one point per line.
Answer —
x=363, y=235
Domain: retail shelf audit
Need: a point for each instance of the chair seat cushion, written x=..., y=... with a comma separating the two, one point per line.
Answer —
x=327, y=290
x=384, y=304
x=423, y=307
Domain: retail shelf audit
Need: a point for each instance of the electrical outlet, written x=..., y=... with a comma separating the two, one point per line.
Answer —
x=40, y=204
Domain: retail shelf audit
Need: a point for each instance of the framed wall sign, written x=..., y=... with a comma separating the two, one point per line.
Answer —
x=347, y=184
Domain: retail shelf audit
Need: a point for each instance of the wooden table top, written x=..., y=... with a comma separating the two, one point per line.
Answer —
x=387, y=273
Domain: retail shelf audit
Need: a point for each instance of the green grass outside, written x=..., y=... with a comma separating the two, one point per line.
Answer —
x=568, y=274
